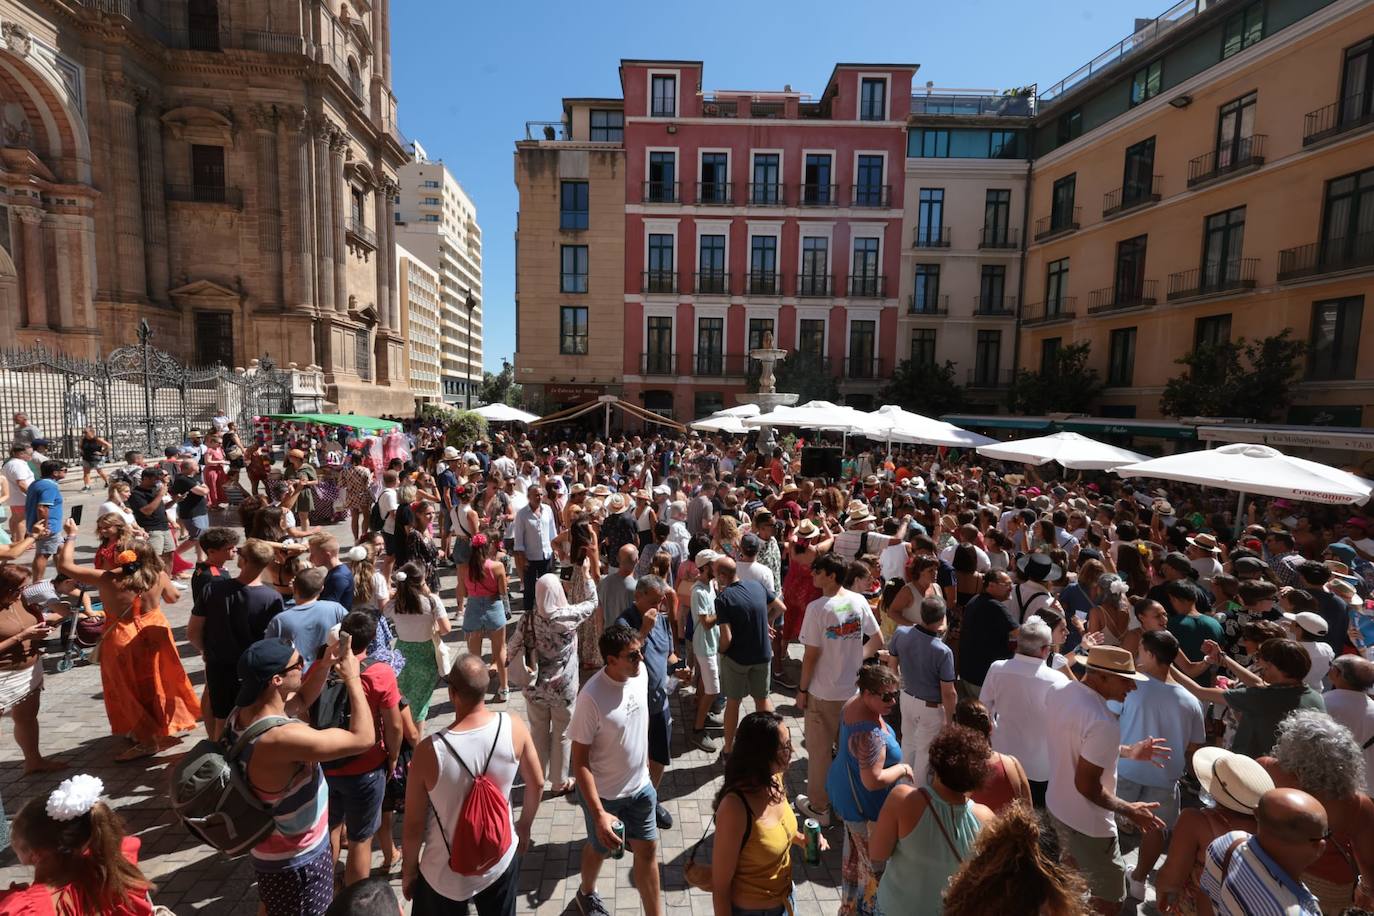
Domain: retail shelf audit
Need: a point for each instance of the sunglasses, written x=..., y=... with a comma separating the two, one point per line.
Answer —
x=634, y=655
x=299, y=665
x=890, y=697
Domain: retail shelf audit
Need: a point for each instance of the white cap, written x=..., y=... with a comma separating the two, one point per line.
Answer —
x=1308, y=622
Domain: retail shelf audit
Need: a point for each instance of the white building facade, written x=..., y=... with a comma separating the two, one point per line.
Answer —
x=419, y=289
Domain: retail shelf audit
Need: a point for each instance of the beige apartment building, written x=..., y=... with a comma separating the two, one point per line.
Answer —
x=420, y=306
x=571, y=179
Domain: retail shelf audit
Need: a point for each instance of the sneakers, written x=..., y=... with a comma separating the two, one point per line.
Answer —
x=1135, y=888
x=590, y=904
x=665, y=820
x=702, y=741
x=784, y=679
x=715, y=720
x=820, y=817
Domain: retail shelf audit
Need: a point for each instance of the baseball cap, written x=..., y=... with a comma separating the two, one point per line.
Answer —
x=750, y=544
x=1309, y=622
x=258, y=664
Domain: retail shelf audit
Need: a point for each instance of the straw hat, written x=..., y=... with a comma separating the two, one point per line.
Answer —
x=1113, y=660
x=1234, y=780
x=789, y=488
x=642, y=493
x=577, y=488
x=601, y=490
x=861, y=517
x=1014, y=479
x=615, y=504
x=807, y=529
x=1162, y=507
x=1204, y=542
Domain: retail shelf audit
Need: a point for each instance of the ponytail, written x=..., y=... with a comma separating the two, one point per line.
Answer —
x=85, y=852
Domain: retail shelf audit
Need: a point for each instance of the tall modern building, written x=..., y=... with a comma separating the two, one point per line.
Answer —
x=437, y=222
x=223, y=169
x=419, y=286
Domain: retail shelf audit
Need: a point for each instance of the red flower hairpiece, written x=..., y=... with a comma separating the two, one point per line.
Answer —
x=479, y=540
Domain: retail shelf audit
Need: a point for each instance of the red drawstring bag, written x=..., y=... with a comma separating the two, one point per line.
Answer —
x=483, y=831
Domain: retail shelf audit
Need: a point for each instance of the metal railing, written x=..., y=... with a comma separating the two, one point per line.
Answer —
x=546, y=130
x=658, y=281
x=994, y=306
x=864, y=367
x=767, y=194
x=720, y=109
x=277, y=43
x=713, y=282
x=1352, y=112
x=975, y=104
x=1128, y=197
x=819, y=195
x=931, y=237
x=715, y=193
x=999, y=237
x=1109, y=298
x=870, y=195
x=867, y=286
x=1331, y=256
x=987, y=377
x=660, y=192
x=815, y=285
x=1064, y=309
x=759, y=109
x=205, y=194
x=1128, y=46
x=764, y=283
x=658, y=364
x=927, y=305
x=1213, y=279
x=359, y=230
x=1226, y=159
x=719, y=364
x=1047, y=227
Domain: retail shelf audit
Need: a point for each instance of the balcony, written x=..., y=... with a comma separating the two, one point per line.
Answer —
x=547, y=130
x=360, y=232
x=761, y=109
x=720, y=364
x=767, y=194
x=973, y=104
x=661, y=192
x=1232, y=159
x=276, y=43
x=870, y=195
x=658, y=364
x=931, y=237
x=1131, y=197
x=712, y=108
x=999, y=238
x=715, y=193
x=1110, y=299
x=820, y=195
x=205, y=194
x=994, y=306
x=1331, y=256
x=927, y=305
x=815, y=285
x=764, y=283
x=987, y=378
x=865, y=368
x=1350, y=113
x=712, y=283
x=1213, y=280
x=659, y=281
x=1057, y=224
x=1055, y=310
x=867, y=286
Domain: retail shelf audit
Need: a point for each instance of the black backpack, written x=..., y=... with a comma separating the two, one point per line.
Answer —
x=212, y=797
x=333, y=708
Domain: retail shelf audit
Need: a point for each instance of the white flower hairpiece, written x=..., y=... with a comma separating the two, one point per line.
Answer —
x=357, y=554
x=74, y=797
x=1120, y=587
x=399, y=577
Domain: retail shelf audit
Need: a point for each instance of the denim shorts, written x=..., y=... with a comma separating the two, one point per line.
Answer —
x=638, y=812
x=195, y=527
x=482, y=614
x=50, y=545
x=356, y=802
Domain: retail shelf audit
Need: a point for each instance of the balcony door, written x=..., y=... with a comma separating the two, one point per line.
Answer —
x=1348, y=226
x=930, y=216
x=711, y=269
x=1137, y=180
x=715, y=171
x=996, y=216
x=1223, y=237
x=987, y=358
x=660, y=279
x=1357, y=83
x=662, y=177
x=710, y=346
x=1130, y=270
x=816, y=179
x=766, y=189
x=658, y=346
x=992, y=288
x=863, y=278
x=861, y=349
x=815, y=272
x=763, y=265
x=1235, y=127
x=1061, y=201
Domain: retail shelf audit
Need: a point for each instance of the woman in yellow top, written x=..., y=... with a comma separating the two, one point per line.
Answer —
x=751, y=864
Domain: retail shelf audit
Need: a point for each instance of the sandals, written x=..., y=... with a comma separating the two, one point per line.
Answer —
x=502, y=695
x=137, y=752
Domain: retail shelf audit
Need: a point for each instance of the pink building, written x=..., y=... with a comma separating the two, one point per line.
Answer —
x=756, y=212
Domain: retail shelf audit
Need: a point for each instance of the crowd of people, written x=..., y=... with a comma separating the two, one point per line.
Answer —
x=996, y=675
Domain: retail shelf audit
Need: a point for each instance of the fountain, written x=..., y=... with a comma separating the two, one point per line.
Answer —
x=768, y=397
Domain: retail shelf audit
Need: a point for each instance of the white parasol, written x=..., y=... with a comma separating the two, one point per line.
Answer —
x=504, y=413
x=894, y=424
x=1071, y=450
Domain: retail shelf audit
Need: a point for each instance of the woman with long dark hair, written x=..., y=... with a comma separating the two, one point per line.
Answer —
x=482, y=588
x=417, y=614
x=1015, y=867
x=420, y=546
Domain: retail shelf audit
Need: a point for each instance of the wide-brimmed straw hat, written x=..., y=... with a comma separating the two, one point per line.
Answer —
x=1113, y=660
x=1234, y=780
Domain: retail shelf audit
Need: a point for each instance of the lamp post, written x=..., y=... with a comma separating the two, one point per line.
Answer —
x=471, y=304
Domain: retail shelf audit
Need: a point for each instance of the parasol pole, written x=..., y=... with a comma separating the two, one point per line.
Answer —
x=1240, y=513
x=608, y=421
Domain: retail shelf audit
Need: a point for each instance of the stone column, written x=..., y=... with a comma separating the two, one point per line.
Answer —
x=339, y=199
x=393, y=304
x=324, y=218
x=131, y=275
x=34, y=271
x=153, y=175
x=385, y=254
x=298, y=200
x=269, y=204
x=384, y=42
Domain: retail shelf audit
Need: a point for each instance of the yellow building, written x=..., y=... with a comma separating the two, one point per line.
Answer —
x=420, y=324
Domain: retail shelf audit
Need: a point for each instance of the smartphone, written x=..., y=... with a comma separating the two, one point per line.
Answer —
x=566, y=573
x=816, y=506
x=76, y=513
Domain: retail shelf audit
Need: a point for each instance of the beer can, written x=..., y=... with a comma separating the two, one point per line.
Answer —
x=619, y=829
x=813, y=840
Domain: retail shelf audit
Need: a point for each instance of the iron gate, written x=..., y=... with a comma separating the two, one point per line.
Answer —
x=138, y=398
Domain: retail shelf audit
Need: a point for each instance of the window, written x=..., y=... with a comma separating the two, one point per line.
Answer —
x=362, y=354
x=872, y=99
x=987, y=358
x=930, y=217
x=815, y=268
x=1056, y=285
x=1062, y=214
x=1146, y=82
x=997, y=218
x=765, y=188
x=658, y=346
x=1242, y=29
x=1335, y=340
x=758, y=327
x=202, y=25
x=811, y=336
x=607, y=126
x=763, y=264
x=926, y=294
x=1121, y=358
x=992, y=288
x=861, y=351
x=923, y=347
x=1212, y=330
x=1003, y=144
x=574, y=209
x=863, y=275
x=663, y=96
x=710, y=346
x=1235, y=126
x=1129, y=287
x=708, y=402
x=660, y=277
x=1357, y=83
x=935, y=144
x=214, y=338
x=715, y=178
x=1049, y=355
x=357, y=207
x=572, y=330
x=1138, y=178
x=662, y=185
x=711, y=264
x=868, y=182
x=431, y=201
x=1069, y=126
x=1223, y=235
x=966, y=143
x=1348, y=221
x=573, y=276
x=816, y=186
x=207, y=173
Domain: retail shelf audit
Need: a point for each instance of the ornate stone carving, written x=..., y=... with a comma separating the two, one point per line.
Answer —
x=295, y=119
x=119, y=88
x=29, y=215
x=264, y=117
x=17, y=39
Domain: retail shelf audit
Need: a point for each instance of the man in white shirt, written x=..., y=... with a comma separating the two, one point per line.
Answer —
x=535, y=530
x=967, y=534
x=1348, y=702
x=749, y=569
x=18, y=474
x=833, y=632
x=1014, y=693
x=1031, y=594
x=1083, y=753
x=610, y=760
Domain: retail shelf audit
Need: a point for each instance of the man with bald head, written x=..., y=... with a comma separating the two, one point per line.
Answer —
x=1258, y=874
x=616, y=590
x=1348, y=702
x=745, y=611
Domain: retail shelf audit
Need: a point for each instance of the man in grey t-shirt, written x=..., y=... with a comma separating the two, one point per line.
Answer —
x=616, y=590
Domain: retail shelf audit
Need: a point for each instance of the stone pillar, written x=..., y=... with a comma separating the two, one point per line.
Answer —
x=155, y=248
x=34, y=272
x=269, y=204
x=384, y=42
x=298, y=200
x=385, y=255
x=338, y=143
x=324, y=218
x=130, y=274
x=393, y=304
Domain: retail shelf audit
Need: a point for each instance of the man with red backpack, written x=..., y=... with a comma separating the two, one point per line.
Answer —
x=460, y=843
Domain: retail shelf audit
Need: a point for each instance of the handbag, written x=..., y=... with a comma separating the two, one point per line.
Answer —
x=443, y=652
x=939, y=823
x=698, y=874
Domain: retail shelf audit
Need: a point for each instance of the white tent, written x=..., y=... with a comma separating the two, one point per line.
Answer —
x=1071, y=450
x=894, y=424
x=816, y=415
x=504, y=413
x=720, y=423
x=1257, y=469
x=739, y=410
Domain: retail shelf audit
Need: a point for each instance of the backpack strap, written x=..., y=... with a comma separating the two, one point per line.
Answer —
x=251, y=733
x=1367, y=744
x=748, y=827
x=1230, y=851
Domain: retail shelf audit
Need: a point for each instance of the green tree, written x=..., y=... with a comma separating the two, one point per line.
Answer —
x=1066, y=385
x=1236, y=378
x=924, y=388
x=464, y=428
x=501, y=387
x=802, y=373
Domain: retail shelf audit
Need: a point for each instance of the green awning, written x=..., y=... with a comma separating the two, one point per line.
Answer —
x=1038, y=424
x=368, y=424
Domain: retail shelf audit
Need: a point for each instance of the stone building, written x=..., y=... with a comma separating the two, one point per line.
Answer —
x=226, y=170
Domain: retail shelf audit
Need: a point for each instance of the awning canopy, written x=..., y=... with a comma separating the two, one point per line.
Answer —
x=367, y=424
x=1259, y=469
x=996, y=421
x=504, y=413
x=606, y=402
x=1340, y=438
x=817, y=415
x=894, y=424
x=1071, y=450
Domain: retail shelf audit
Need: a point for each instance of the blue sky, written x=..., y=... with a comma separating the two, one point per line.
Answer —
x=468, y=74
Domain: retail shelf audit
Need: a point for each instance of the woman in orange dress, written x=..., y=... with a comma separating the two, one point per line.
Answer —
x=147, y=694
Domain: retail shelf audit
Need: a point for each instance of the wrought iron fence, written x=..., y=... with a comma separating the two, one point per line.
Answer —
x=138, y=397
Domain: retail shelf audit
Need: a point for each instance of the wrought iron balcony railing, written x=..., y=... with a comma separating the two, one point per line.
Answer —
x=1110, y=298
x=1213, y=279
x=1057, y=224
x=1131, y=196
x=1227, y=159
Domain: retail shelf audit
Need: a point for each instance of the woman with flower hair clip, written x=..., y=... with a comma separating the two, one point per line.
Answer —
x=482, y=590
x=147, y=694
x=83, y=859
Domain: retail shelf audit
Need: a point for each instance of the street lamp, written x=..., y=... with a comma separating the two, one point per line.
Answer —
x=471, y=304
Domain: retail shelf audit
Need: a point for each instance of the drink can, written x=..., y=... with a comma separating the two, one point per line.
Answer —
x=619, y=830
x=813, y=840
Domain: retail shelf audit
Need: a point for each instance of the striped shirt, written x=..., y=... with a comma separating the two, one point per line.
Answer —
x=301, y=812
x=1252, y=884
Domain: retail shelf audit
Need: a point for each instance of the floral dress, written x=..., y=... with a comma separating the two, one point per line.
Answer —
x=357, y=485
x=579, y=589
